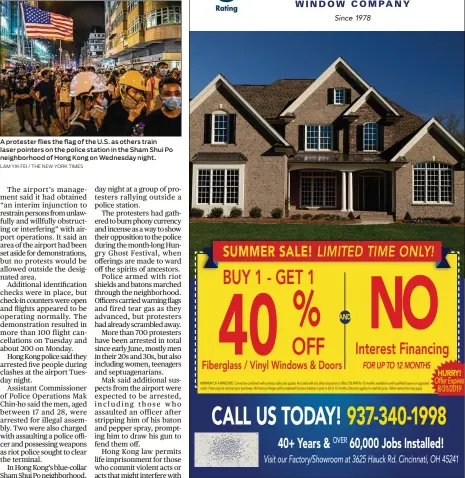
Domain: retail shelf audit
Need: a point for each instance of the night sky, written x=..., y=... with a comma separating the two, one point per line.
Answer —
x=85, y=15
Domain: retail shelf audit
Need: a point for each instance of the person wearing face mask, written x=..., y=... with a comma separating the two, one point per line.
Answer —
x=100, y=103
x=129, y=109
x=87, y=88
x=159, y=73
x=166, y=121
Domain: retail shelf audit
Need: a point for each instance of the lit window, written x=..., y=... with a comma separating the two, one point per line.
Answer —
x=370, y=137
x=319, y=137
x=339, y=96
x=167, y=15
x=432, y=183
x=220, y=130
x=218, y=186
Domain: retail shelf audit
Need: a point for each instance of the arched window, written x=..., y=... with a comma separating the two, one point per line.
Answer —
x=220, y=129
x=432, y=183
x=370, y=137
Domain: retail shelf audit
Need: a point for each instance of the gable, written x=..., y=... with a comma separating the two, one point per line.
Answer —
x=251, y=138
x=371, y=96
x=220, y=82
x=434, y=129
x=432, y=147
x=317, y=109
x=343, y=68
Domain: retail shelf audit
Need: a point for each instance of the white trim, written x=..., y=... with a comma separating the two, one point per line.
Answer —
x=226, y=207
x=320, y=80
x=343, y=96
x=319, y=126
x=350, y=187
x=213, y=86
x=433, y=122
x=438, y=202
x=364, y=98
x=220, y=112
x=377, y=138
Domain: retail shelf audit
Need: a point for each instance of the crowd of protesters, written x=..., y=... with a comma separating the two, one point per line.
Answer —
x=86, y=102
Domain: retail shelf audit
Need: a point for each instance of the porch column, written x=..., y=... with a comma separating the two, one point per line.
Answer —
x=289, y=186
x=344, y=192
x=351, y=193
x=393, y=191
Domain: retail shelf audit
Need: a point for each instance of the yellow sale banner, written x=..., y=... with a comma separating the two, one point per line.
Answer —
x=294, y=325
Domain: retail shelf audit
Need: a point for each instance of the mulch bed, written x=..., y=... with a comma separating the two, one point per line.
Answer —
x=269, y=220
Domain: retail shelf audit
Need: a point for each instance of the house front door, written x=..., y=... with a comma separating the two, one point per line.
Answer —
x=373, y=193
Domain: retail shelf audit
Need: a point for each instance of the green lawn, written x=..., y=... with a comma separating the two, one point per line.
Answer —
x=202, y=234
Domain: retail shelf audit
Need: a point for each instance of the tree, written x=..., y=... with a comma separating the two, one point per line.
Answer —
x=454, y=124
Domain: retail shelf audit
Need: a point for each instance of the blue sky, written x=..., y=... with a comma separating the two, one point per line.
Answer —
x=422, y=71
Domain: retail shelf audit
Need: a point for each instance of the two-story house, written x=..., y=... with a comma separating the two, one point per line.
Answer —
x=334, y=143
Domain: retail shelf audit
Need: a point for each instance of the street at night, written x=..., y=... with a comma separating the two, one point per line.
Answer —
x=86, y=68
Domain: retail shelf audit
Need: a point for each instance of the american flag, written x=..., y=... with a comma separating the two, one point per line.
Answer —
x=42, y=24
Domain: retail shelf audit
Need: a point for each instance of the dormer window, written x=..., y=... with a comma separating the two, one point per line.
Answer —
x=339, y=96
x=370, y=137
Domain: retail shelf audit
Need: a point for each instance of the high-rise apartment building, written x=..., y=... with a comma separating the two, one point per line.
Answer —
x=141, y=33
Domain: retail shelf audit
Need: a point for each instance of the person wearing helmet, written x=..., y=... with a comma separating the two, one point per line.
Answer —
x=129, y=109
x=44, y=92
x=87, y=88
x=99, y=106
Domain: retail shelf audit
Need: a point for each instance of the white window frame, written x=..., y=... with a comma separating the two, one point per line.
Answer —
x=319, y=137
x=343, y=96
x=445, y=167
x=228, y=206
x=214, y=115
x=377, y=137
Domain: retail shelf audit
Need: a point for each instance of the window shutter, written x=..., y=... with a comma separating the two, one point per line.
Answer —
x=335, y=139
x=207, y=131
x=330, y=96
x=232, y=129
x=360, y=138
x=348, y=96
x=380, y=137
x=302, y=137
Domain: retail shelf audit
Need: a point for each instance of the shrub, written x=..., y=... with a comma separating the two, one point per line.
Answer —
x=455, y=219
x=296, y=216
x=255, y=212
x=307, y=216
x=196, y=212
x=286, y=206
x=235, y=212
x=444, y=220
x=216, y=212
x=351, y=215
x=358, y=217
x=407, y=216
x=277, y=213
x=321, y=216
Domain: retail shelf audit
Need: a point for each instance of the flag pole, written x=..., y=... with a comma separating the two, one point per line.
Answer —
x=60, y=53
